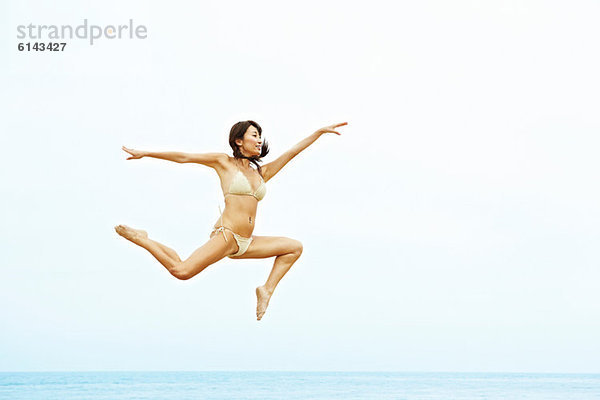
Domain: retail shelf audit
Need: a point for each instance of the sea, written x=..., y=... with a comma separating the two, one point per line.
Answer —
x=295, y=385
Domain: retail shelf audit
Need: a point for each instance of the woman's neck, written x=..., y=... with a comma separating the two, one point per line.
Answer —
x=244, y=162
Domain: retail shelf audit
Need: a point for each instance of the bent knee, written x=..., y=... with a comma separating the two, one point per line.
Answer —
x=297, y=248
x=181, y=272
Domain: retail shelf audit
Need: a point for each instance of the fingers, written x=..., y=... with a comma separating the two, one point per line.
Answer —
x=331, y=128
x=130, y=151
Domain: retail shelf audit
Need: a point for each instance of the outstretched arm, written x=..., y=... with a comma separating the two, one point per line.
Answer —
x=208, y=159
x=272, y=168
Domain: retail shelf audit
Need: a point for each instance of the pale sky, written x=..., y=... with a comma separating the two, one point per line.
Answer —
x=453, y=226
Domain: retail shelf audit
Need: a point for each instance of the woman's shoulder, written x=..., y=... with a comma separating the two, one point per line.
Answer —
x=227, y=165
x=229, y=161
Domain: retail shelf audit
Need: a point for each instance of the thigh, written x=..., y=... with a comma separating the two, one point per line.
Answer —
x=269, y=246
x=210, y=252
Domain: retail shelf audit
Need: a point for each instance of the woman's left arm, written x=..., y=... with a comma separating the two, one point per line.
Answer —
x=272, y=168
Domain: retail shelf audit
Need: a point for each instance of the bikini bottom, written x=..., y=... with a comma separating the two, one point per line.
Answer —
x=242, y=242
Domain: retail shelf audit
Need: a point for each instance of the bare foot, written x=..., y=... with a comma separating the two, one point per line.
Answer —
x=133, y=235
x=262, y=301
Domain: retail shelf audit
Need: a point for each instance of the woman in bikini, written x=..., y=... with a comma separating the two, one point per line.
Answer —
x=243, y=187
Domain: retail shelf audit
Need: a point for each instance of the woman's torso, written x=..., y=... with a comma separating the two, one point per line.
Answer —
x=240, y=209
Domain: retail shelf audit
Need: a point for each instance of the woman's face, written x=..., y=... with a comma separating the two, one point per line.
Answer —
x=251, y=145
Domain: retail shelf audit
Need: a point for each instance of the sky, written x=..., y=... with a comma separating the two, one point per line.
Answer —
x=453, y=226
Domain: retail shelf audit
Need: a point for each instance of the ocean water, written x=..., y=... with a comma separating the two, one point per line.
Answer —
x=295, y=385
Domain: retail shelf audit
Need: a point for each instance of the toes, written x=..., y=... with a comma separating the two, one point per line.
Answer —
x=261, y=306
x=260, y=311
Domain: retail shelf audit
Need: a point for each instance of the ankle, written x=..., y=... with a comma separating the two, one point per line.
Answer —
x=268, y=289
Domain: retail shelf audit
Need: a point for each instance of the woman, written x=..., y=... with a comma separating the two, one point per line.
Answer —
x=243, y=187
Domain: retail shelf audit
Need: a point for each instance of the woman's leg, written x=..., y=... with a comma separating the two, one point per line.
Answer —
x=286, y=250
x=161, y=252
x=212, y=251
x=169, y=251
x=281, y=266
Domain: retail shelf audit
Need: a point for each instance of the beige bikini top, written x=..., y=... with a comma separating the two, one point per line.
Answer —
x=241, y=186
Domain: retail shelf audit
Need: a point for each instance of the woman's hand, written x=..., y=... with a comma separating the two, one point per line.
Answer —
x=330, y=128
x=135, y=154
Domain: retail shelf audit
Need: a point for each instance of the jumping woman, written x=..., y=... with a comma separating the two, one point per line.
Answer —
x=243, y=187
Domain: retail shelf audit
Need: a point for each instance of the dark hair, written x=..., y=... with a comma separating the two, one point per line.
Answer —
x=237, y=132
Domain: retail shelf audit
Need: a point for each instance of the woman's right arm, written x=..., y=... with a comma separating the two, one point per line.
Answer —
x=209, y=159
